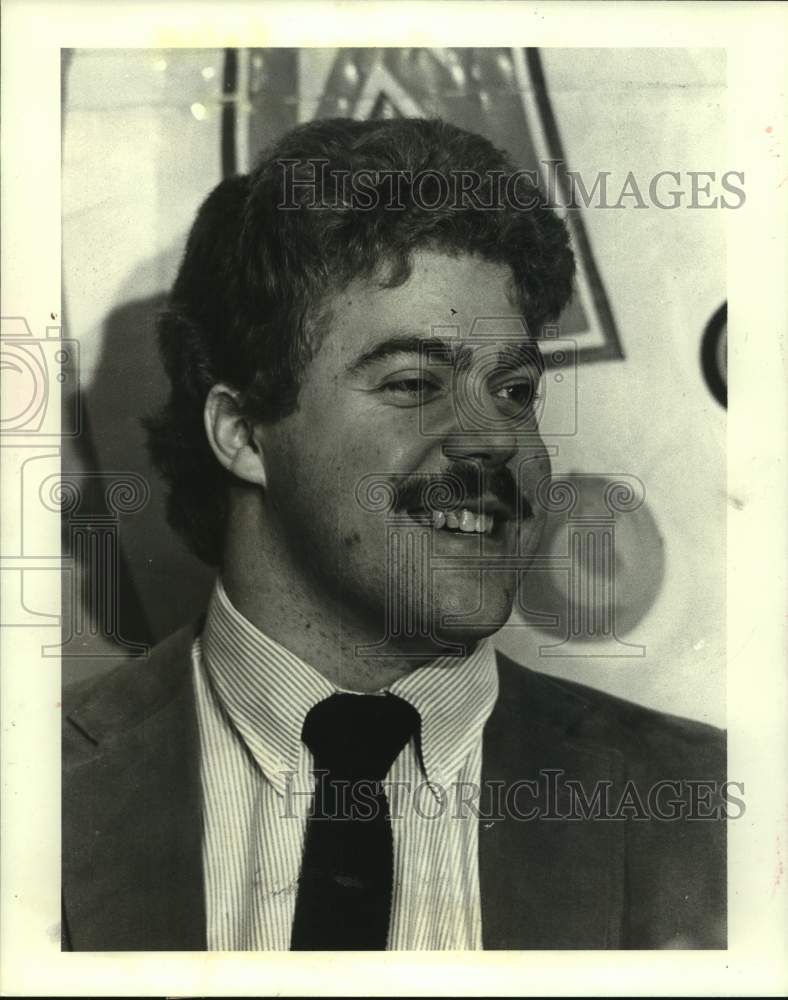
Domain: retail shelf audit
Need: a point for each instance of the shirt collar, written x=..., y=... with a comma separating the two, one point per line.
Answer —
x=454, y=697
x=267, y=691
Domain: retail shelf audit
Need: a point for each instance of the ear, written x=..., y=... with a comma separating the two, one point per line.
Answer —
x=232, y=436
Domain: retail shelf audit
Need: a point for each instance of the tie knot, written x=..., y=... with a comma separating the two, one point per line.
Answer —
x=358, y=736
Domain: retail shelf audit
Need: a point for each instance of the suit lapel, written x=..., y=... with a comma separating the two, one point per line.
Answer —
x=132, y=824
x=546, y=882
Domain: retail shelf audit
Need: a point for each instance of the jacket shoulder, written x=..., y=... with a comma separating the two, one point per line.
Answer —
x=126, y=695
x=656, y=740
x=131, y=861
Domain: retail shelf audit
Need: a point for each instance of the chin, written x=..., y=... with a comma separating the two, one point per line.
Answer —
x=472, y=608
x=435, y=616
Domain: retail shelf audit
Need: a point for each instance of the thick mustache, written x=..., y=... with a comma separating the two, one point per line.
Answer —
x=458, y=484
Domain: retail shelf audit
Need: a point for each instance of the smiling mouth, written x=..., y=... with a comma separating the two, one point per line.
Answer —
x=489, y=521
x=463, y=520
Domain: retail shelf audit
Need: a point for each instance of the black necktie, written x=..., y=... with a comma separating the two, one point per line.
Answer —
x=344, y=892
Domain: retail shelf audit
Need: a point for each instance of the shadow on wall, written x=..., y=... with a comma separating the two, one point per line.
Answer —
x=132, y=581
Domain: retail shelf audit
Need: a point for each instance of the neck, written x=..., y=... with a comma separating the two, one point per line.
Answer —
x=269, y=591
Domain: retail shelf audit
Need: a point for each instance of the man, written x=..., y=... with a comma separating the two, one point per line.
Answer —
x=352, y=440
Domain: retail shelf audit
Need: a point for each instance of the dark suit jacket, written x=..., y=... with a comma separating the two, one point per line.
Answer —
x=132, y=824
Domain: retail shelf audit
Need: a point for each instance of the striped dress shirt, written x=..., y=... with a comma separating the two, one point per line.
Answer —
x=252, y=696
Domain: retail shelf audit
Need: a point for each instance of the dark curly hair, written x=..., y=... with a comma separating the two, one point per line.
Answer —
x=248, y=304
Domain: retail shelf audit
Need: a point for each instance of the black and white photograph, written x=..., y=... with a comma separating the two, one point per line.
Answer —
x=379, y=430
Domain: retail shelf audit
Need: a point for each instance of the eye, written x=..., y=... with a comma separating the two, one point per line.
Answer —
x=409, y=390
x=520, y=395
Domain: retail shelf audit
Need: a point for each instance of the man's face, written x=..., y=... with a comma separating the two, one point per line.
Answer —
x=431, y=382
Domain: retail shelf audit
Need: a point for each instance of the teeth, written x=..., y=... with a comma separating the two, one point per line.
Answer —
x=463, y=520
x=467, y=521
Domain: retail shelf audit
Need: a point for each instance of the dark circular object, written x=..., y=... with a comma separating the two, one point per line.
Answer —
x=714, y=355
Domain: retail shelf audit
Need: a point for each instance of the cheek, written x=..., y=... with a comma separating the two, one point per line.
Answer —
x=542, y=471
x=325, y=462
x=318, y=483
x=534, y=471
x=369, y=453
x=295, y=491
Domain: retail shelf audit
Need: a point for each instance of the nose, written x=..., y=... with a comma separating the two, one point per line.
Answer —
x=489, y=450
x=479, y=432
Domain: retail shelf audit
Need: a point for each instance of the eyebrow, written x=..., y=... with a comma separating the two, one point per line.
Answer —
x=458, y=354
